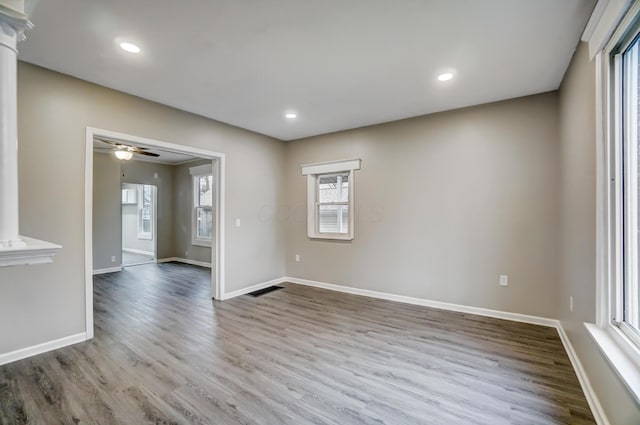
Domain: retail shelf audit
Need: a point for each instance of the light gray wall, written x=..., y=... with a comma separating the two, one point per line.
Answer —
x=141, y=172
x=175, y=200
x=130, y=238
x=577, y=238
x=106, y=212
x=444, y=204
x=109, y=174
x=46, y=302
x=183, y=201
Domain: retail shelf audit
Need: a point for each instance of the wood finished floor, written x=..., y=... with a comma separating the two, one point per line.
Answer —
x=165, y=353
x=133, y=258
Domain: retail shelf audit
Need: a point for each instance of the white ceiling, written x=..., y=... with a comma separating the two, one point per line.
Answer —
x=338, y=64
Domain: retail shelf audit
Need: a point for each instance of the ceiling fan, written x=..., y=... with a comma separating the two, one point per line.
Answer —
x=126, y=152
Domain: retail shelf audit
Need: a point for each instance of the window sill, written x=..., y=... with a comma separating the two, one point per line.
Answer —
x=201, y=242
x=330, y=237
x=32, y=252
x=623, y=356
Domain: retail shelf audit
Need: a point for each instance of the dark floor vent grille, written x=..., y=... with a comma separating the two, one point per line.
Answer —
x=260, y=292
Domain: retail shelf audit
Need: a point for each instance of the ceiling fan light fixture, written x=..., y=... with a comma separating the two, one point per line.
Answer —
x=129, y=47
x=124, y=155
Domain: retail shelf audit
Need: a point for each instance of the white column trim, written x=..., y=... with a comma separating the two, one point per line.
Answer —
x=11, y=25
x=14, y=249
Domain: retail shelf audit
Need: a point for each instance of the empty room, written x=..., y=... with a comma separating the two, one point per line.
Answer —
x=320, y=212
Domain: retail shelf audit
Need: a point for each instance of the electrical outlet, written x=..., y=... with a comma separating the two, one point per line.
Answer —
x=297, y=258
x=113, y=258
x=186, y=253
x=237, y=222
x=155, y=175
x=504, y=280
x=571, y=303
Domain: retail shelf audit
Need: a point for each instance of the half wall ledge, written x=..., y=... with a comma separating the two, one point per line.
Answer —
x=33, y=251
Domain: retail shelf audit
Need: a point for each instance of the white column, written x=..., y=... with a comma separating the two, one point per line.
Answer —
x=15, y=250
x=12, y=26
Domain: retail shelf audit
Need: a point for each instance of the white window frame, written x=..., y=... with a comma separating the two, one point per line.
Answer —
x=620, y=346
x=141, y=233
x=197, y=173
x=313, y=171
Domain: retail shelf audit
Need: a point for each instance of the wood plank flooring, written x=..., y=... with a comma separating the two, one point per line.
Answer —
x=134, y=258
x=165, y=353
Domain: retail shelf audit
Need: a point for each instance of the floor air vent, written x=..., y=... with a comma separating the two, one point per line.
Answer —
x=260, y=292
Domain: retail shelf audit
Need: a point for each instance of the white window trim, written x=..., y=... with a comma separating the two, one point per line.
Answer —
x=616, y=346
x=604, y=19
x=312, y=171
x=140, y=204
x=196, y=173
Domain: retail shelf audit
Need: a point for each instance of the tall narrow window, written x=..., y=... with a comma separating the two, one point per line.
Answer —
x=628, y=63
x=330, y=194
x=203, y=189
x=145, y=212
x=617, y=333
x=204, y=207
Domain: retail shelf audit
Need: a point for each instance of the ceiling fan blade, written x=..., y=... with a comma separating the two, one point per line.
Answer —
x=146, y=153
x=122, y=146
x=109, y=142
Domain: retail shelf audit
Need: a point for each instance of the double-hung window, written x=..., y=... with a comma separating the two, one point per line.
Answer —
x=330, y=193
x=333, y=203
x=202, y=214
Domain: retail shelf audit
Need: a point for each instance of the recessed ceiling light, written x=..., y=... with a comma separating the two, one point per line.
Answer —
x=129, y=47
x=445, y=77
x=291, y=115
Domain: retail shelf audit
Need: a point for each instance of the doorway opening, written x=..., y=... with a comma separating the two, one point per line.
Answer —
x=169, y=207
x=139, y=226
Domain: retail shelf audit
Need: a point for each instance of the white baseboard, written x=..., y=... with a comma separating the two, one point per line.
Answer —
x=516, y=317
x=34, y=350
x=137, y=251
x=587, y=389
x=109, y=270
x=252, y=288
x=184, y=260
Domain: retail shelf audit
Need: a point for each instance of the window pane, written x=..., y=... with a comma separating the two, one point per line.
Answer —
x=631, y=185
x=333, y=188
x=145, y=219
x=205, y=191
x=333, y=219
x=204, y=217
x=147, y=194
